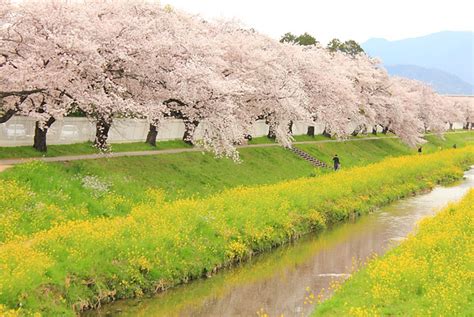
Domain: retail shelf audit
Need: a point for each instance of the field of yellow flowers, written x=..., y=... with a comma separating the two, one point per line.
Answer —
x=53, y=265
x=429, y=274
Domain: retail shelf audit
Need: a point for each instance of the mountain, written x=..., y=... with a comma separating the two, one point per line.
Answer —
x=440, y=54
x=441, y=81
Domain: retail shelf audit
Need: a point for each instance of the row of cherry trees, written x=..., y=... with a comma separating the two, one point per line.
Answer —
x=110, y=59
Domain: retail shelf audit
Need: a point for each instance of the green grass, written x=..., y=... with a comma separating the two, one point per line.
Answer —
x=261, y=140
x=449, y=139
x=85, y=148
x=429, y=274
x=358, y=153
x=195, y=174
x=127, y=181
x=160, y=244
x=182, y=175
x=319, y=137
x=179, y=175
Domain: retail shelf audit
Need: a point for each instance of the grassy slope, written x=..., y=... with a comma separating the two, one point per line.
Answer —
x=88, y=148
x=427, y=275
x=369, y=151
x=128, y=180
x=197, y=174
x=85, y=148
x=187, y=174
x=179, y=175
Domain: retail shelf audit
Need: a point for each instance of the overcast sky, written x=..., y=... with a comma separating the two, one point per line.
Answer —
x=344, y=19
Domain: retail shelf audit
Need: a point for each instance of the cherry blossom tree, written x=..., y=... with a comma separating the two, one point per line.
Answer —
x=416, y=110
x=400, y=113
x=430, y=109
x=140, y=60
x=167, y=73
x=371, y=82
x=452, y=111
x=333, y=99
x=266, y=84
x=35, y=69
x=464, y=110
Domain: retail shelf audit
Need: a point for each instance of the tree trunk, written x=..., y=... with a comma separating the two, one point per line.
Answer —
x=271, y=132
x=356, y=131
x=326, y=133
x=364, y=129
x=385, y=130
x=39, y=141
x=310, y=131
x=102, y=128
x=374, y=130
x=450, y=126
x=290, y=127
x=426, y=128
x=152, y=134
x=189, y=129
x=271, y=126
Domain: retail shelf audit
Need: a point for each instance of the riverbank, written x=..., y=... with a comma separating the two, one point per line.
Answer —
x=160, y=244
x=429, y=274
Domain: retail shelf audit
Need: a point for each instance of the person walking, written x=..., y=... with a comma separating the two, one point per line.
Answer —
x=337, y=162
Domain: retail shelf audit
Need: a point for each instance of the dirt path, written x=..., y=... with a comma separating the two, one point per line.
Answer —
x=5, y=163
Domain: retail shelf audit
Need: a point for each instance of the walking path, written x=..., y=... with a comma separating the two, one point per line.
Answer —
x=5, y=163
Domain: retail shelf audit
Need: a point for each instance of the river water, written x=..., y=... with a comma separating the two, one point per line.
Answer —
x=278, y=282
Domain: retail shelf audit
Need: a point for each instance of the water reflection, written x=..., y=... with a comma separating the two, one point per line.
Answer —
x=277, y=282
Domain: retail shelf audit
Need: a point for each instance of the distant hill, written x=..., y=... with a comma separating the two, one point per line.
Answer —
x=442, y=82
x=445, y=59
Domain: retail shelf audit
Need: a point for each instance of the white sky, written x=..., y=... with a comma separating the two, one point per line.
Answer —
x=344, y=19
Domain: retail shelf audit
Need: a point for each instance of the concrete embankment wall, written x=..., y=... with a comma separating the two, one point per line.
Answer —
x=20, y=130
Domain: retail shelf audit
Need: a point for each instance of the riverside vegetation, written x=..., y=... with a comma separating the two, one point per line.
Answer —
x=112, y=187
x=184, y=175
x=429, y=274
x=55, y=266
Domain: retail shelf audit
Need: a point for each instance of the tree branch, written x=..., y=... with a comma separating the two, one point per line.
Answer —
x=20, y=93
x=7, y=115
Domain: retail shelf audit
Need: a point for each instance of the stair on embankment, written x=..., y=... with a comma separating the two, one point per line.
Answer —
x=314, y=161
